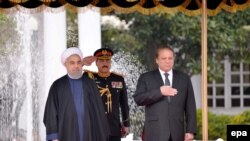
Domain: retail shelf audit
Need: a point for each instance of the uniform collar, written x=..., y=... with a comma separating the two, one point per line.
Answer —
x=104, y=74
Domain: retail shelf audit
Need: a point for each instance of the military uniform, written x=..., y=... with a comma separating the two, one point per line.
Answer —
x=113, y=91
x=114, y=95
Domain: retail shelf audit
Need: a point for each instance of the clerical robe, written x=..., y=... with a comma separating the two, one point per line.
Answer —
x=60, y=116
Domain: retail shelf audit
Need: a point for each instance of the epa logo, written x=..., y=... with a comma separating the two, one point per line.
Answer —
x=238, y=132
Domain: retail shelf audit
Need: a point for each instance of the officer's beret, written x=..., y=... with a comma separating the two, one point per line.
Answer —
x=103, y=53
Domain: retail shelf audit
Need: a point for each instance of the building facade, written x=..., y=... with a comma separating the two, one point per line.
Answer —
x=230, y=95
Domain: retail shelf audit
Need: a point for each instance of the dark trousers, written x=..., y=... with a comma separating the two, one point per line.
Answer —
x=114, y=138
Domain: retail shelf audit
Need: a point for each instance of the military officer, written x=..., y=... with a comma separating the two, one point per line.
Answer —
x=113, y=91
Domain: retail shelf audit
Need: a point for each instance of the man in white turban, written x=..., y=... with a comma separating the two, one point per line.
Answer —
x=72, y=59
x=71, y=51
x=74, y=110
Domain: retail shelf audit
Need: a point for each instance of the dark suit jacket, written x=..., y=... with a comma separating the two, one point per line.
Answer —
x=161, y=117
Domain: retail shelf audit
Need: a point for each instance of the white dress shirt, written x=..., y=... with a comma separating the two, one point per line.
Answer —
x=170, y=76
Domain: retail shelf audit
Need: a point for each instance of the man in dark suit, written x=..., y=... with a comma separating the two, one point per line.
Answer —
x=168, y=97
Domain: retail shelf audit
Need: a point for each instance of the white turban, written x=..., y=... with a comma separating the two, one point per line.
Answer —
x=71, y=51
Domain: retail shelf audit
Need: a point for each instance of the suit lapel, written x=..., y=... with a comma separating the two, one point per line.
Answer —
x=158, y=77
x=176, y=79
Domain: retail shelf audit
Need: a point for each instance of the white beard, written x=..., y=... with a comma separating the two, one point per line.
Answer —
x=77, y=75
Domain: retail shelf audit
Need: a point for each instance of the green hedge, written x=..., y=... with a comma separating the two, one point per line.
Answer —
x=217, y=124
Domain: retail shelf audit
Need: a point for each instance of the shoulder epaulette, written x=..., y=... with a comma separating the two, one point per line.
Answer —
x=90, y=73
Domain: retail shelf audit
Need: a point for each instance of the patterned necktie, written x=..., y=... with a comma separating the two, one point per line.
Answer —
x=167, y=83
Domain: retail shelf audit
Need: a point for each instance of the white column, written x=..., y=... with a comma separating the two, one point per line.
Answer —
x=89, y=31
x=227, y=83
x=54, y=44
x=196, y=81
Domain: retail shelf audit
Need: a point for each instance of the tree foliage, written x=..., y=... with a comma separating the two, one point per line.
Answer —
x=6, y=32
x=72, y=28
x=226, y=37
